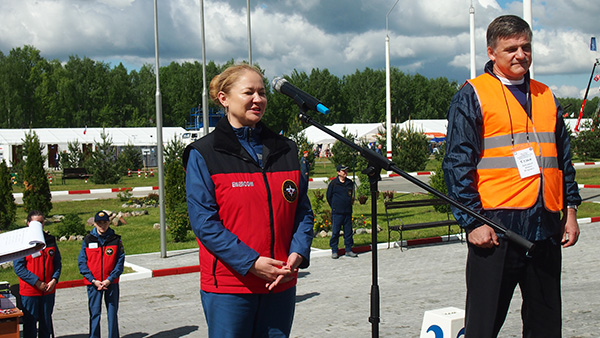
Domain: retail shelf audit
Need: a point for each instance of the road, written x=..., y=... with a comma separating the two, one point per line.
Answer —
x=395, y=183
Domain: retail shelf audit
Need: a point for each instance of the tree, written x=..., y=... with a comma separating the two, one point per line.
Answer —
x=103, y=164
x=36, y=195
x=364, y=95
x=175, y=193
x=74, y=158
x=130, y=157
x=8, y=208
x=587, y=143
x=411, y=152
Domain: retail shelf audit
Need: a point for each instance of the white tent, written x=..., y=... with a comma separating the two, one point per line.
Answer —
x=56, y=140
x=370, y=130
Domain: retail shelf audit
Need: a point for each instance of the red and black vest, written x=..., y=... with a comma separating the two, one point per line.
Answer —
x=42, y=266
x=256, y=204
x=102, y=259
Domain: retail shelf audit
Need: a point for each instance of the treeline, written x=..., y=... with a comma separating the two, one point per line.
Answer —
x=35, y=92
x=40, y=93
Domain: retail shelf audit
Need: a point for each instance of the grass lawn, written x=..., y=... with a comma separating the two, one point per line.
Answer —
x=139, y=236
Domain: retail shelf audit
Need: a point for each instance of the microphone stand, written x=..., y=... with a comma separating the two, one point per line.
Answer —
x=376, y=163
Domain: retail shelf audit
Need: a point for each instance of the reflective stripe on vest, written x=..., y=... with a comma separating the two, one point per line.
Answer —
x=499, y=182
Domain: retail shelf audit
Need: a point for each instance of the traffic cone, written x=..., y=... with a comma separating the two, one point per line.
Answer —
x=128, y=172
x=139, y=173
x=50, y=178
x=85, y=180
x=151, y=173
x=145, y=174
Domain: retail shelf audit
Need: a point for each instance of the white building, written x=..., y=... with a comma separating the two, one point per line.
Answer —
x=56, y=140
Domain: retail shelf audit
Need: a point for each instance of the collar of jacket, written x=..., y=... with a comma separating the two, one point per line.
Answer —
x=227, y=141
x=489, y=68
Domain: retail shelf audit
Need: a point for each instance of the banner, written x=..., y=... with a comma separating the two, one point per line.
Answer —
x=593, y=44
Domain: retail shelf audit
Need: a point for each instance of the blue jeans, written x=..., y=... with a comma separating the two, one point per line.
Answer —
x=37, y=309
x=249, y=315
x=338, y=221
x=111, y=299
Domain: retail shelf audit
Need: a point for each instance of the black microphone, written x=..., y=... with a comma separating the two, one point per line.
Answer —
x=302, y=98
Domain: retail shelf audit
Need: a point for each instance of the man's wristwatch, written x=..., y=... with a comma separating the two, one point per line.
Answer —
x=572, y=207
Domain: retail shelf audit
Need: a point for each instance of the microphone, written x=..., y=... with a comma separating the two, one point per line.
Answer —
x=302, y=98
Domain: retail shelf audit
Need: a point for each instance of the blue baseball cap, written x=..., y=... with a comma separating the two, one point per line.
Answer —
x=101, y=216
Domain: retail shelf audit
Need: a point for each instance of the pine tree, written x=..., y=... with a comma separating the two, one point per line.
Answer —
x=8, y=208
x=175, y=193
x=36, y=195
x=411, y=152
x=74, y=158
x=103, y=164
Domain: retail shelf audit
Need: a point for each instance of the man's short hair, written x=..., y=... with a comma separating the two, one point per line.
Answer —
x=34, y=213
x=507, y=26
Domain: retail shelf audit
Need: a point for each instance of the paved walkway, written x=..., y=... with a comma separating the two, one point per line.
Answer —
x=333, y=296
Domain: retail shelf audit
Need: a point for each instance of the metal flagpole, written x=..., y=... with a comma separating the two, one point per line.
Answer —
x=205, y=119
x=159, y=144
x=249, y=33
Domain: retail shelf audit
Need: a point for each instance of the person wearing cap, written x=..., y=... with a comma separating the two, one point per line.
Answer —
x=305, y=165
x=38, y=275
x=340, y=195
x=101, y=262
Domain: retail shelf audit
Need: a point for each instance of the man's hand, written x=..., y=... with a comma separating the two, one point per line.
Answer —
x=483, y=237
x=570, y=231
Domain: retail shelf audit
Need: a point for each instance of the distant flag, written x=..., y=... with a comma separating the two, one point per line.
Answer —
x=593, y=44
x=85, y=130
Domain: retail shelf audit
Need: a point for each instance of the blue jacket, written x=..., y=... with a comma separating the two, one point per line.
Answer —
x=463, y=151
x=339, y=196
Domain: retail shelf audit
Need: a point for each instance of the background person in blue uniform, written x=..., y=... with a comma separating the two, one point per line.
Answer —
x=340, y=195
x=101, y=262
x=248, y=207
x=305, y=165
x=38, y=275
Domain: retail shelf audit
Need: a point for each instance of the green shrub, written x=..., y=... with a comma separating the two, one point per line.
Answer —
x=179, y=222
x=71, y=225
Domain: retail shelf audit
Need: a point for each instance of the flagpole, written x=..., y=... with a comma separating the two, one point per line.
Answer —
x=159, y=144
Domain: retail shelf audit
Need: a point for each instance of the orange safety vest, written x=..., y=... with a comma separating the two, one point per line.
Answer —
x=504, y=120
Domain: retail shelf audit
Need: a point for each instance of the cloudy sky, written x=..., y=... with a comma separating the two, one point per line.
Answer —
x=430, y=37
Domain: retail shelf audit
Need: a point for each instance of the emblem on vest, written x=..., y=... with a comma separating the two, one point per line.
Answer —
x=109, y=251
x=290, y=191
x=51, y=252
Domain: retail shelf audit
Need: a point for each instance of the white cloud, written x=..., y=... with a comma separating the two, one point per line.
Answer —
x=427, y=36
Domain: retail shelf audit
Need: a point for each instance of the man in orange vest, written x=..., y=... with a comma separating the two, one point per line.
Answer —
x=508, y=158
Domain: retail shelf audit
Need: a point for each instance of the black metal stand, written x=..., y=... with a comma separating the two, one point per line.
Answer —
x=376, y=163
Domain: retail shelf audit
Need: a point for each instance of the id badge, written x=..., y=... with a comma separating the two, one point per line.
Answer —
x=526, y=162
x=93, y=245
x=36, y=254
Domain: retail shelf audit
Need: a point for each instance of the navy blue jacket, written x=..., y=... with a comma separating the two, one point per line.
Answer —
x=339, y=196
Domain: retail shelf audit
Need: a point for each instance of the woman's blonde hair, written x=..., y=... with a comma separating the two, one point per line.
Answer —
x=224, y=81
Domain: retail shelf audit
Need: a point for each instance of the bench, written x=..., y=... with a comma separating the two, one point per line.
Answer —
x=69, y=173
x=413, y=226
